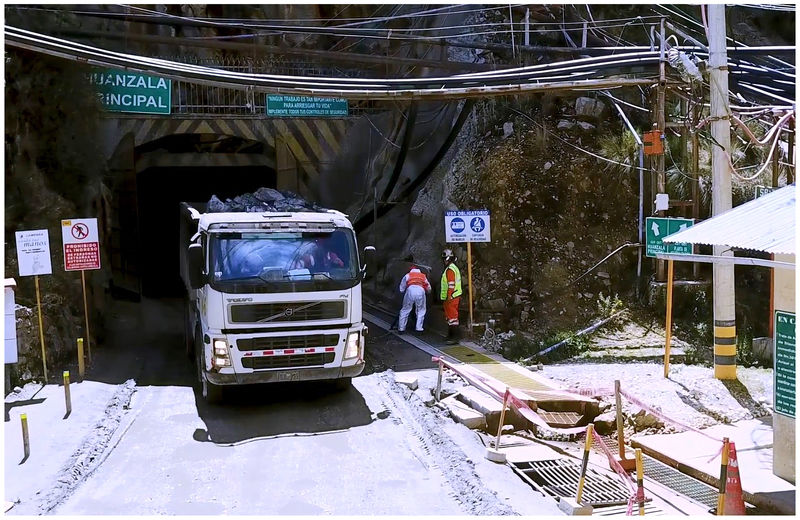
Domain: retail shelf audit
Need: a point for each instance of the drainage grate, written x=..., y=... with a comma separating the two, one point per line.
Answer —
x=680, y=482
x=649, y=510
x=559, y=478
x=560, y=419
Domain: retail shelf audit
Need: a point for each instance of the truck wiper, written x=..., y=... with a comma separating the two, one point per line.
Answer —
x=306, y=277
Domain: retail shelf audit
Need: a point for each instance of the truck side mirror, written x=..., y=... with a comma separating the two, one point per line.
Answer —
x=369, y=251
x=196, y=261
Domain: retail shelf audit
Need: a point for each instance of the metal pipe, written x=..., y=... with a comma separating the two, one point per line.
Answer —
x=728, y=260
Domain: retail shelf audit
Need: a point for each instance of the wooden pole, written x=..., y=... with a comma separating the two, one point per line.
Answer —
x=620, y=430
x=640, y=481
x=26, y=443
x=86, y=314
x=67, y=396
x=723, y=478
x=584, y=465
x=41, y=329
x=439, y=381
x=469, y=282
x=669, y=318
x=502, y=420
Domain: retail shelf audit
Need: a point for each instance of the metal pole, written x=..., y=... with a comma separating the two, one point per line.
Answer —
x=527, y=27
x=511, y=21
x=641, y=211
x=375, y=233
x=661, y=125
x=695, y=178
x=86, y=313
x=587, y=446
x=669, y=317
x=502, y=420
x=620, y=431
x=469, y=281
x=724, y=295
x=41, y=330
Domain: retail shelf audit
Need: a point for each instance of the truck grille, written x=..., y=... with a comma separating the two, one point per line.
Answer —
x=284, y=342
x=287, y=311
x=302, y=360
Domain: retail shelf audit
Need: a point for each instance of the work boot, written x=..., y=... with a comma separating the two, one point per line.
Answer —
x=452, y=335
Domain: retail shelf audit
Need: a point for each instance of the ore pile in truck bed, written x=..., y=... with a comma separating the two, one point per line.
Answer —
x=263, y=199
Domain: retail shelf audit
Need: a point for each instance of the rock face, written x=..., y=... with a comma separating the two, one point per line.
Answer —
x=589, y=109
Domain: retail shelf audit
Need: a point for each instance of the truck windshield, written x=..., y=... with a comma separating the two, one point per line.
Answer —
x=278, y=259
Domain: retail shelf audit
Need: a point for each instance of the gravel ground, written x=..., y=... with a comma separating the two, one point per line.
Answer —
x=691, y=395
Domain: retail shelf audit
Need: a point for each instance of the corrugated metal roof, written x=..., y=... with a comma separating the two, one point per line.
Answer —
x=764, y=224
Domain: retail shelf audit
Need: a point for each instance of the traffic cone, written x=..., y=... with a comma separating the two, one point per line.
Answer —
x=734, y=503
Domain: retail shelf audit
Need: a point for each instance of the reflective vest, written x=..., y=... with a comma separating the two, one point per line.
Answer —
x=457, y=287
x=417, y=278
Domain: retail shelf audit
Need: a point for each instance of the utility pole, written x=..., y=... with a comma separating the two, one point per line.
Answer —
x=721, y=199
x=661, y=126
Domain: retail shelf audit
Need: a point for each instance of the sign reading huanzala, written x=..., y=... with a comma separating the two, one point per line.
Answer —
x=123, y=91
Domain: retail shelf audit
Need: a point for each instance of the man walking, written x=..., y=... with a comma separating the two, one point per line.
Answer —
x=415, y=285
x=451, y=295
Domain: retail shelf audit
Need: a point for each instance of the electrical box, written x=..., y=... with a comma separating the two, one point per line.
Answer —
x=653, y=143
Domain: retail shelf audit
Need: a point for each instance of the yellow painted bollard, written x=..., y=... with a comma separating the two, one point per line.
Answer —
x=81, y=368
x=640, y=481
x=26, y=443
x=723, y=478
x=67, y=396
x=585, y=464
x=669, y=319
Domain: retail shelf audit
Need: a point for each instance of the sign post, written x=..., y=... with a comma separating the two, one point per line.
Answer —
x=468, y=226
x=81, y=252
x=785, y=359
x=33, y=257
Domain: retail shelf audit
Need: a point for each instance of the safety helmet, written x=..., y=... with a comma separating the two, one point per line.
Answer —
x=448, y=256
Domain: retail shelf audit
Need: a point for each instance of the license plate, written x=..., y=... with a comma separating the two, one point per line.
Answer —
x=292, y=375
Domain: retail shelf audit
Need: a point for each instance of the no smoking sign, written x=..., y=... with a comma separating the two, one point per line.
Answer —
x=81, y=244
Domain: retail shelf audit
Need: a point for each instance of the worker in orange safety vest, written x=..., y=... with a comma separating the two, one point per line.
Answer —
x=451, y=295
x=415, y=286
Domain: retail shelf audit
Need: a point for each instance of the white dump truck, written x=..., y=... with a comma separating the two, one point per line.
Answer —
x=272, y=296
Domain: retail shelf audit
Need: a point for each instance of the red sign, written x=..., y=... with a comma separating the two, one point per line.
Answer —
x=81, y=244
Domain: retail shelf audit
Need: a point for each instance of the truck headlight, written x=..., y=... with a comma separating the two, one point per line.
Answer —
x=353, y=341
x=220, y=357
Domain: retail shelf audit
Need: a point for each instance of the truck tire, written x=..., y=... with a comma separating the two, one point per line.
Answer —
x=342, y=384
x=212, y=394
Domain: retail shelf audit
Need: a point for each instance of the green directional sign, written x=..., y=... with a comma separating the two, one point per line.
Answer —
x=657, y=228
x=305, y=106
x=763, y=190
x=785, y=392
x=123, y=91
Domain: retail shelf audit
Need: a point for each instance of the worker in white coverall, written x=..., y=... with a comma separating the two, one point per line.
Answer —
x=414, y=285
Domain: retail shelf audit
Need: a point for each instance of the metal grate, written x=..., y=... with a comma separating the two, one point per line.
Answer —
x=649, y=510
x=306, y=360
x=680, y=482
x=282, y=312
x=284, y=342
x=559, y=478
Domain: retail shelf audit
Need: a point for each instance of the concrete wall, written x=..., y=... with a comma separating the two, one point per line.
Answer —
x=783, y=454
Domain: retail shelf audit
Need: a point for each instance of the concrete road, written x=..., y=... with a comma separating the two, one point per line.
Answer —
x=273, y=449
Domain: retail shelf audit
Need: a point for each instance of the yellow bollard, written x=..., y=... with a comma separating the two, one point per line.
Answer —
x=586, y=448
x=723, y=478
x=26, y=443
x=669, y=318
x=67, y=396
x=640, y=481
x=81, y=368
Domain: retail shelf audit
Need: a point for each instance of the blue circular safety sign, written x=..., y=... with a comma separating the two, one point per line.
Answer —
x=477, y=225
x=457, y=225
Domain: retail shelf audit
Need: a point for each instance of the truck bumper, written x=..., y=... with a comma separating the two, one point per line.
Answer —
x=282, y=376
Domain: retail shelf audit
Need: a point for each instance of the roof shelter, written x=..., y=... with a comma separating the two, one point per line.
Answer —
x=766, y=224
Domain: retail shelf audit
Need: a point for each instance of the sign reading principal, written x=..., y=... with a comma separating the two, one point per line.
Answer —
x=123, y=91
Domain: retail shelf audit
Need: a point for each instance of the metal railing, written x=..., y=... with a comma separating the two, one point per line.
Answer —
x=193, y=99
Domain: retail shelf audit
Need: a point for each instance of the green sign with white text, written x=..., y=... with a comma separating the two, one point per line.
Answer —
x=657, y=228
x=785, y=392
x=122, y=91
x=305, y=106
